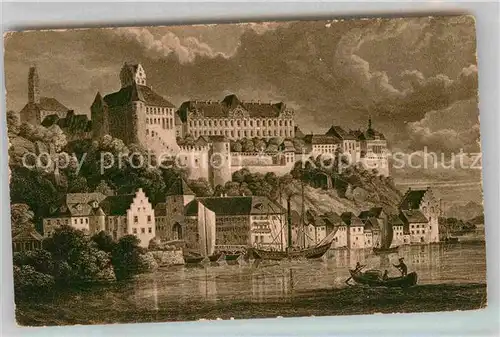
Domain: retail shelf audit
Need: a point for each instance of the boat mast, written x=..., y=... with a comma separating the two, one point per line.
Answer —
x=302, y=220
x=205, y=228
x=289, y=218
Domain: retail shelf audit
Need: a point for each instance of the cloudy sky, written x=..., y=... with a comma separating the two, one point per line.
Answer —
x=416, y=77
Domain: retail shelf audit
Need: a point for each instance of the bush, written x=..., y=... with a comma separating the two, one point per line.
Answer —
x=147, y=263
x=28, y=280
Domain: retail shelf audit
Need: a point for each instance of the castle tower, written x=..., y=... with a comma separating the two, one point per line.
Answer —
x=219, y=161
x=100, y=117
x=178, y=196
x=132, y=73
x=33, y=86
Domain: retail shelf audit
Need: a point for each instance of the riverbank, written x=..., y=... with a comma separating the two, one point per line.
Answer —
x=321, y=302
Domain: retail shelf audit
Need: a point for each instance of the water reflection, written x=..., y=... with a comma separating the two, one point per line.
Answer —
x=262, y=280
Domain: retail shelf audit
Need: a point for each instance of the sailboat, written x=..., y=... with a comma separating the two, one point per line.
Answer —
x=291, y=252
x=386, y=240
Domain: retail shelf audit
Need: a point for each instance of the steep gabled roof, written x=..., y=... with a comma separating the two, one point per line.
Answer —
x=413, y=216
x=117, y=204
x=180, y=187
x=412, y=199
x=235, y=205
x=350, y=219
x=27, y=234
x=395, y=220
x=136, y=92
x=339, y=132
x=51, y=104
x=220, y=109
x=80, y=204
x=298, y=132
x=321, y=139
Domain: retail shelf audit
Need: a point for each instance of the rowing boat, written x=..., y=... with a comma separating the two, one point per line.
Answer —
x=373, y=278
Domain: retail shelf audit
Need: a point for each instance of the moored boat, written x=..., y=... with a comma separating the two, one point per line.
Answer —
x=231, y=257
x=291, y=252
x=374, y=278
x=308, y=253
x=193, y=259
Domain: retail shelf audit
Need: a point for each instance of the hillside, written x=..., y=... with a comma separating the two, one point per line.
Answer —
x=465, y=211
x=322, y=200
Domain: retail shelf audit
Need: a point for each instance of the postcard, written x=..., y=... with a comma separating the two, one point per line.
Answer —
x=251, y=170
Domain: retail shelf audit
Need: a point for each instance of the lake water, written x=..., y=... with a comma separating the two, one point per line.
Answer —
x=434, y=264
x=198, y=287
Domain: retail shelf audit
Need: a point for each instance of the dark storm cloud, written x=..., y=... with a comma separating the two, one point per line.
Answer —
x=394, y=70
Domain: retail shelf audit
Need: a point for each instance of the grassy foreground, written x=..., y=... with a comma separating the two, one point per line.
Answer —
x=324, y=302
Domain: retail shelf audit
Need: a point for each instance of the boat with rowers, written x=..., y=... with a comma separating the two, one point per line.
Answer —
x=374, y=278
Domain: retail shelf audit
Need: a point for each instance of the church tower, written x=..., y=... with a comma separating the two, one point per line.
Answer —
x=33, y=86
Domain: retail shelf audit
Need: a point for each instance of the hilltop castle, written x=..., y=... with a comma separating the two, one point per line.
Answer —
x=136, y=114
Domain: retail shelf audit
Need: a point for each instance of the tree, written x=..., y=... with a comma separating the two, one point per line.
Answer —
x=275, y=141
x=104, y=188
x=21, y=218
x=35, y=189
x=247, y=145
x=259, y=144
x=104, y=241
x=126, y=257
x=13, y=122
x=201, y=187
x=236, y=146
x=219, y=190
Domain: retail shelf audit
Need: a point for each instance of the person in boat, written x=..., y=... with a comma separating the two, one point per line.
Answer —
x=357, y=269
x=385, y=277
x=402, y=267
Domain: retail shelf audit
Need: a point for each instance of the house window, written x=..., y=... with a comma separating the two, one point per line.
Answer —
x=136, y=219
x=134, y=230
x=81, y=221
x=143, y=230
x=149, y=219
x=86, y=220
x=150, y=230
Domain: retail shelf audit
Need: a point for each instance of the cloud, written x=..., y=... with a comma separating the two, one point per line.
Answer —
x=450, y=129
x=186, y=49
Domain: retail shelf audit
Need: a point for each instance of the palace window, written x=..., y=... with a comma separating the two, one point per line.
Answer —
x=150, y=230
x=134, y=230
x=143, y=230
x=136, y=219
x=149, y=218
x=258, y=123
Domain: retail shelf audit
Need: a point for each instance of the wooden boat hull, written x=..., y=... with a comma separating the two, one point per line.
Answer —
x=385, y=250
x=232, y=257
x=193, y=259
x=393, y=282
x=215, y=257
x=309, y=253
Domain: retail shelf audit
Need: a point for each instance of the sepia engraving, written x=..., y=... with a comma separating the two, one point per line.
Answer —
x=275, y=169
